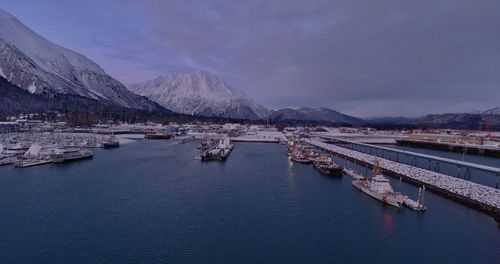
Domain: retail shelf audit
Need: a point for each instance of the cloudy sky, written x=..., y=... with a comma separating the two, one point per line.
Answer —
x=365, y=58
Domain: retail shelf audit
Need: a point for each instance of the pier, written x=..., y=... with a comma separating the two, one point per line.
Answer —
x=463, y=169
x=475, y=195
x=482, y=150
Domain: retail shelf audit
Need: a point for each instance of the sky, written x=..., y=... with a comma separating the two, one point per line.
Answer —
x=364, y=58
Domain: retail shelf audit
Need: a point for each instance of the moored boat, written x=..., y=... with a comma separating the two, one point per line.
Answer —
x=218, y=152
x=378, y=187
x=326, y=166
x=64, y=155
x=299, y=157
x=158, y=135
x=112, y=142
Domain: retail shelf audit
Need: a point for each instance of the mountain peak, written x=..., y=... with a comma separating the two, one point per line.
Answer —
x=199, y=93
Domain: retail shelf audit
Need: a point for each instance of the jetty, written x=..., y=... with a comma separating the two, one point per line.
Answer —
x=472, y=194
x=464, y=169
x=476, y=149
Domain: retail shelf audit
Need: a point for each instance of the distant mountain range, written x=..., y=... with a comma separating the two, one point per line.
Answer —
x=38, y=75
x=312, y=114
x=489, y=119
x=36, y=65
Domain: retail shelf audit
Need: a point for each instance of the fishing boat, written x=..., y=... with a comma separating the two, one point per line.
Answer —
x=378, y=187
x=299, y=157
x=310, y=153
x=326, y=166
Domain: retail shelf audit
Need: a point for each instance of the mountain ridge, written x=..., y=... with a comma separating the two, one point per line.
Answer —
x=33, y=63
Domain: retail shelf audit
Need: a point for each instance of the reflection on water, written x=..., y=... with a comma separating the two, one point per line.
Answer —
x=387, y=223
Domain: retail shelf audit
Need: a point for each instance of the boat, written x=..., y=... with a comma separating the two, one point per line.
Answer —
x=299, y=157
x=158, y=135
x=378, y=187
x=310, y=153
x=112, y=142
x=417, y=205
x=218, y=152
x=64, y=155
x=15, y=150
x=8, y=160
x=326, y=165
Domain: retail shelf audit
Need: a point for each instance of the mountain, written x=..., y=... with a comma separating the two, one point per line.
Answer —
x=15, y=100
x=460, y=121
x=33, y=63
x=389, y=120
x=200, y=93
x=312, y=114
x=492, y=111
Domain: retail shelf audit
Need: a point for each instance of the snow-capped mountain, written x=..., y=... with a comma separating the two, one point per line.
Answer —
x=200, y=93
x=33, y=63
x=312, y=114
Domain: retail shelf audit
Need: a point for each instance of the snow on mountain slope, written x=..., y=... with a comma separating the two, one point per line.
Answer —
x=35, y=64
x=199, y=93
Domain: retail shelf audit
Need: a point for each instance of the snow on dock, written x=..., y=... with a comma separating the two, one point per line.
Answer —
x=470, y=193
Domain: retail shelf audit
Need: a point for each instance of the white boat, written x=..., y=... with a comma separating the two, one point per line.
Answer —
x=15, y=150
x=379, y=187
x=8, y=160
x=63, y=155
x=419, y=204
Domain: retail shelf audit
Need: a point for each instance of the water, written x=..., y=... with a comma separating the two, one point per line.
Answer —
x=152, y=202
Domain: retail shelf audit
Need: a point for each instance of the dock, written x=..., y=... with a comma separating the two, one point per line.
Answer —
x=472, y=194
x=482, y=150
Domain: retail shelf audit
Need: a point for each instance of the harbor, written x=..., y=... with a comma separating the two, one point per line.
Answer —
x=155, y=192
x=475, y=195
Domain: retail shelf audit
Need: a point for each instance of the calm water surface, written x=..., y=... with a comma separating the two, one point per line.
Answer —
x=152, y=202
